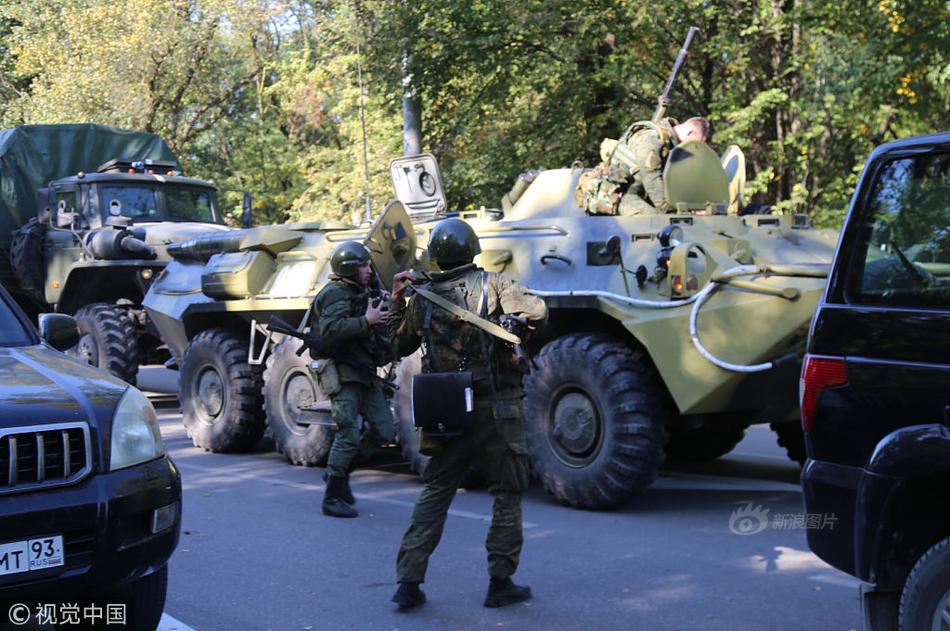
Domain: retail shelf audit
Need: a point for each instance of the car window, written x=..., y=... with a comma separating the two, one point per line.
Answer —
x=136, y=202
x=12, y=330
x=189, y=204
x=906, y=244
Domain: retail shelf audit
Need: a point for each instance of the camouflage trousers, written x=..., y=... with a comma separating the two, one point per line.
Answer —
x=355, y=399
x=507, y=475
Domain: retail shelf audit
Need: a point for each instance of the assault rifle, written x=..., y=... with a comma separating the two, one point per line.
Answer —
x=314, y=343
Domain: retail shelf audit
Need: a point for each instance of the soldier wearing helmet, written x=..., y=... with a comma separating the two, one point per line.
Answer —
x=496, y=442
x=345, y=317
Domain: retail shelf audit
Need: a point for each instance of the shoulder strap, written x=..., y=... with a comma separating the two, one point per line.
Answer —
x=467, y=316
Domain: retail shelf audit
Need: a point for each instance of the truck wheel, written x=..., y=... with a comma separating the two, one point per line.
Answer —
x=595, y=427
x=107, y=340
x=288, y=384
x=406, y=432
x=27, y=259
x=925, y=599
x=221, y=404
x=144, y=600
x=791, y=438
x=704, y=443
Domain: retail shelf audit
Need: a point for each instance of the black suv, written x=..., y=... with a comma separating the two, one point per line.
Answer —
x=90, y=504
x=875, y=390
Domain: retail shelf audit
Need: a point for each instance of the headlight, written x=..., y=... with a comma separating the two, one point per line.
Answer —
x=136, y=436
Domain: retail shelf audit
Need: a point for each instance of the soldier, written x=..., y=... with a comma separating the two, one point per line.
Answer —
x=496, y=442
x=629, y=181
x=349, y=322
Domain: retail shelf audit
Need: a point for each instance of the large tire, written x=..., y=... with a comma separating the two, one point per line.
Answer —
x=925, y=598
x=107, y=340
x=791, y=438
x=596, y=413
x=28, y=259
x=220, y=393
x=288, y=384
x=144, y=601
x=406, y=432
x=704, y=443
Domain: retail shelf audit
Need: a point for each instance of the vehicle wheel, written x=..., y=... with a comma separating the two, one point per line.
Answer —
x=27, y=259
x=221, y=403
x=925, y=599
x=595, y=427
x=791, y=438
x=288, y=384
x=144, y=600
x=406, y=432
x=107, y=340
x=704, y=443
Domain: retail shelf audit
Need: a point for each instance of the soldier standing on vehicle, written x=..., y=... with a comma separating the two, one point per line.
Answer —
x=495, y=442
x=629, y=181
x=349, y=322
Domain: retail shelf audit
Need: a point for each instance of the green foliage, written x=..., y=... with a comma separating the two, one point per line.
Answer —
x=265, y=95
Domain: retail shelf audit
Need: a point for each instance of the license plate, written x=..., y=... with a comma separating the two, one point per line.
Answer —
x=32, y=554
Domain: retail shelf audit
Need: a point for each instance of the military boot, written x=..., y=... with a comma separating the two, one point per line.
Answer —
x=408, y=596
x=333, y=504
x=346, y=493
x=503, y=592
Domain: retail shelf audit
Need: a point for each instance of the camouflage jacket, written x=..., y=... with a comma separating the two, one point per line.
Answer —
x=339, y=318
x=450, y=344
x=650, y=148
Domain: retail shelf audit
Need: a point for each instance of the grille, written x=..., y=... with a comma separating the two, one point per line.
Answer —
x=43, y=456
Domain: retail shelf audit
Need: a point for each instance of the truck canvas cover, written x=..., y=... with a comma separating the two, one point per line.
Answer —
x=31, y=156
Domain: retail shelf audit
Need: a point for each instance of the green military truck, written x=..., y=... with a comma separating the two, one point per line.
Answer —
x=86, y=212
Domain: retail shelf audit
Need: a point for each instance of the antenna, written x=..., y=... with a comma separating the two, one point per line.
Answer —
x=369, y=203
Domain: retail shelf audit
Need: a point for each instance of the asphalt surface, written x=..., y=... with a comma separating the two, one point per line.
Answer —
x=256, y=553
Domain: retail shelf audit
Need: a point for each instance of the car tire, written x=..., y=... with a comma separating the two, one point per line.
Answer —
x=288, y=384
x=615, y=410
x=144, y=601
x=926, y=593
x=791, y=438
x=107, y=340
x=704, y=443
x=27, y=259
x=220, y=393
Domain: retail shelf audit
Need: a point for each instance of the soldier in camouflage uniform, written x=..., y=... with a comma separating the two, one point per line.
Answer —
x=496, y=442
x=629, y=180
x=347, y=321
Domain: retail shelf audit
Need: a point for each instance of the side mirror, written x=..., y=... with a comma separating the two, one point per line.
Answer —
x=59, y=330
x=246, y=210
x=65, y=218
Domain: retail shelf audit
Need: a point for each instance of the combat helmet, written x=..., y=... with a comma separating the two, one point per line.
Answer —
x=347, y=258
x=452, y=243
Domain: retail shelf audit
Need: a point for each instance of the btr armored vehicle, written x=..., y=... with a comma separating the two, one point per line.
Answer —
x=85, y=214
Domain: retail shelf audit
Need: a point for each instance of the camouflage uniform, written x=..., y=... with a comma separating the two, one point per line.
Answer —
x=339, y=311
x=496, y=443
x=629, y=181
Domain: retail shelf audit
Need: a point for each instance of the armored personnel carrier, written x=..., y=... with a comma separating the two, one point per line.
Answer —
x=85, y=214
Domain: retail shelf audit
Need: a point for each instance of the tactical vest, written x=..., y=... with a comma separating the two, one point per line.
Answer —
x=599, y=191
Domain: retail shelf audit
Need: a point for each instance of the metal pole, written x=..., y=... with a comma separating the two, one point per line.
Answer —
x=359, y=71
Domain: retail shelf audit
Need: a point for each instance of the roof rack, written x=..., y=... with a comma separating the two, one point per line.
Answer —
x=124, y=165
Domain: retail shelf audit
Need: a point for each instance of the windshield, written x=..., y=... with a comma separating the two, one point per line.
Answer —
x=188, y=204
x=13, y=332
x=142, y=203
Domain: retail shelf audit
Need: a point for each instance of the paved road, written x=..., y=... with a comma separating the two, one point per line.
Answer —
x=257, y=554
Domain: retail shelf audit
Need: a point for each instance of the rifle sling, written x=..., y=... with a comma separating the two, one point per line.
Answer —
x=467, y=316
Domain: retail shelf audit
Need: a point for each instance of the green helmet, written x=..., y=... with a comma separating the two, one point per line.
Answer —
x=452, y=243
x=347, y=258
